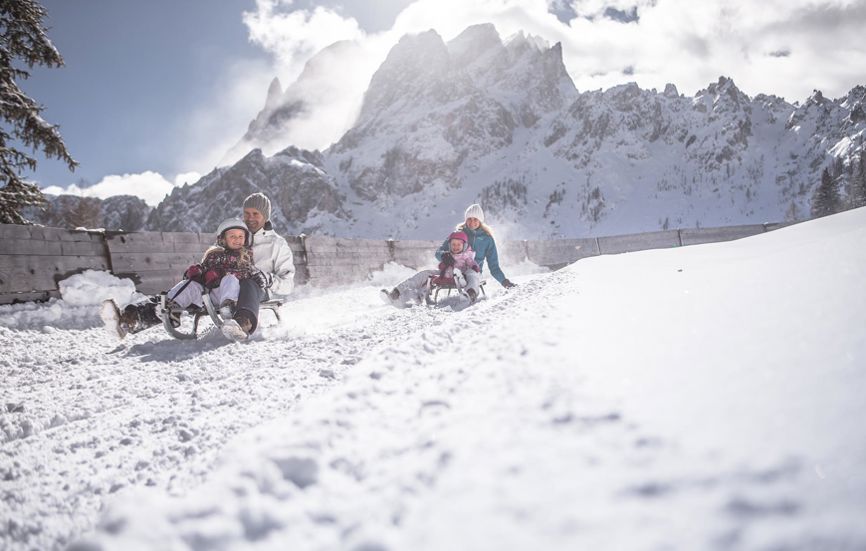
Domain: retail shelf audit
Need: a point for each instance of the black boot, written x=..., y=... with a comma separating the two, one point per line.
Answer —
x=140, y=316
x=473, y=296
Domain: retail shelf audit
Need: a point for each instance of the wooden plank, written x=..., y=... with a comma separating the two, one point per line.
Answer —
x=164, y=240
x=63, y=263
x=342, y=272
x=133, y=262
x=696, y=236
x=38, y=296
x=78, y=235
x=187, y=237
x=354, y=256
x=41, y=273
x=421, y=246
x=151, y=283
x=616, y=244
x=83, y=248
x=14, y=231
x=777, y=225
x=326, y=258
x=557, y=253
x=30, y=247
x=118, y=246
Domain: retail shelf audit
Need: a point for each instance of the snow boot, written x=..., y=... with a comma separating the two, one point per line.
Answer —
x=227, y=308
x=172, y=310
x=132, y=319
x=237, y=329
x=391, y=297
x=141, y=316
x=473, y=296
x=110, y=314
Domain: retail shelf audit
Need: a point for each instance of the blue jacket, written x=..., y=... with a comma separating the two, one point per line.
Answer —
x=485, y=249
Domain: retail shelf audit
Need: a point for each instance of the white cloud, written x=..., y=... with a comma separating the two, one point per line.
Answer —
x=686, y=43
x=218, y=123
x=150, y=186
x=295, y=35
x=186, y=178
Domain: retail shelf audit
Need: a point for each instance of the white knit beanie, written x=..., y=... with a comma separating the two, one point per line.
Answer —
x=260, y=202
x=474, y=211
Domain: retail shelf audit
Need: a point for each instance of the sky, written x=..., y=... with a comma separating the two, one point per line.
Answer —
x=154, y=94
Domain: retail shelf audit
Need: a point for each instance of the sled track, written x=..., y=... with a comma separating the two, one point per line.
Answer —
x=93, y=419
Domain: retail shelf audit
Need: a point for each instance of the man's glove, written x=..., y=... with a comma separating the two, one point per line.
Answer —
x=448, y=259
x=193, y=272
x=212, y=279
x=263, y=279
x=507, y=284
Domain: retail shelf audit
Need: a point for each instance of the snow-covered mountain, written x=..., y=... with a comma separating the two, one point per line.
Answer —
x=119, y=212
x=303, y=196
x=318, y=105
x=443, y=125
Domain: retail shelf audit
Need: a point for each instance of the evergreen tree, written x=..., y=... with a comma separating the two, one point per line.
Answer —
x=23, y=42
x=827, y=199
x=858, y=182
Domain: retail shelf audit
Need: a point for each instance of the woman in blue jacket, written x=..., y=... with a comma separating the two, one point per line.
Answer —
x=482, y=242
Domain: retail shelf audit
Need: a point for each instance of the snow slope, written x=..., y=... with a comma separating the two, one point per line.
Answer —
x=708, y=397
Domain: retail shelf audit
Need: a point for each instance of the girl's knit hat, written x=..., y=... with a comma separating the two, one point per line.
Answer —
x=474, y=211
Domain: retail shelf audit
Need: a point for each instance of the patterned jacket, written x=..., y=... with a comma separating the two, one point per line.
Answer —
x=227, y=261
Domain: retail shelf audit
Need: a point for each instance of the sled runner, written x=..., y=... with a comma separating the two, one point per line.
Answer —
x=436, y=284
x=173, y=315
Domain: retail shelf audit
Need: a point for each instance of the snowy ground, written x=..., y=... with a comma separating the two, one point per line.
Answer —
x=708, y=397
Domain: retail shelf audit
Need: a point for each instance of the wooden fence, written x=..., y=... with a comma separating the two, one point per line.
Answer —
x=34, y=259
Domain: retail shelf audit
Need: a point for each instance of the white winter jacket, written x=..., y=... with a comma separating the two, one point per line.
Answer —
x=271, y=254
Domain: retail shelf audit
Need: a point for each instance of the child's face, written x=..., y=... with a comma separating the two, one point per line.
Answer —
x=234, y=239
x=456, y=246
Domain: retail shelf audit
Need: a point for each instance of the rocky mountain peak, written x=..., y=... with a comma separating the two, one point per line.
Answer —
x=520, y=42
x=275, y=94
x=722, y=96
x=671, y=91
x=415, y=65
x=473, y=43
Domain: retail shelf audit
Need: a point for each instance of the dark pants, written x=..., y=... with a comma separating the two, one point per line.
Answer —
x=251, y=295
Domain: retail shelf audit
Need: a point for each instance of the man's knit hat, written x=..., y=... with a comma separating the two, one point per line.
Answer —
x=260, y=202
x=474, y=211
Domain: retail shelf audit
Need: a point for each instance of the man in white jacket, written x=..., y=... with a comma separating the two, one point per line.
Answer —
x=271, y=255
